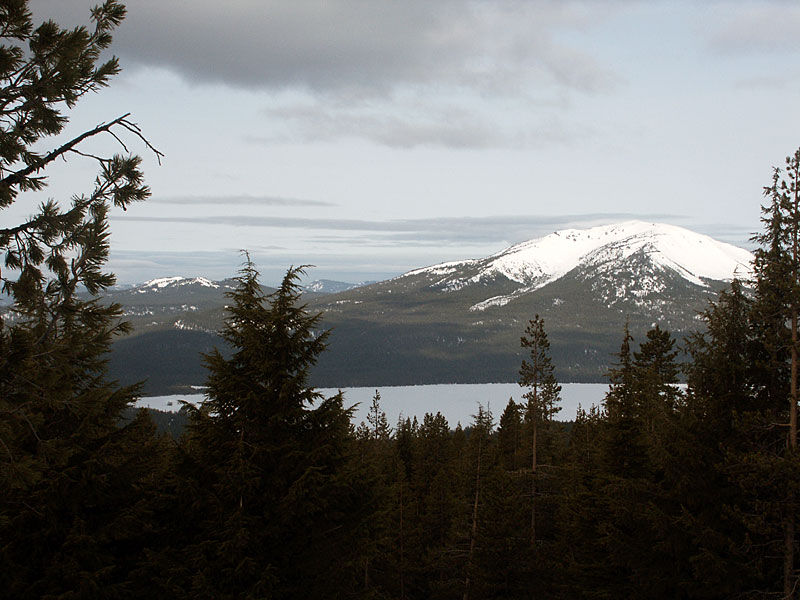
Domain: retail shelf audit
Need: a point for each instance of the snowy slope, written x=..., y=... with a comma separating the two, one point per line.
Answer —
x=155, y=285
x=538, y=262
x=329, y=286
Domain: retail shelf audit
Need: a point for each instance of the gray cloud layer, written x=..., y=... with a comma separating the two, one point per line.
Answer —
x=414, y=232
x=357, y=47
x=361, y=44
x=387, y=72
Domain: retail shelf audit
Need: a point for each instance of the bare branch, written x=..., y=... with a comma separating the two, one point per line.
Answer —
x=116, y=137
x=87, y=155
x=19, y=176
x=136, y=130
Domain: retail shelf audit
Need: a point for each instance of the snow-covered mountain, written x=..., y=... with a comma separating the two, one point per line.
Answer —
x=609, y=249
x=461, y=321
x=171, y=283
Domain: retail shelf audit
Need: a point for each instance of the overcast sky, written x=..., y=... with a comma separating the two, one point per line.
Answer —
x=370, y=137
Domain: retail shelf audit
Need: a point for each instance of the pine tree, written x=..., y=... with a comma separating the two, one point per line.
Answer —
x=709, y=446
x=438, y=490
x=621, y=404
x=774, y=316
x=655, y=374
x=579, y=549
x=280, y=500
x=509, y=435
x=542, y=397
x=377, y=458
x=379, y=429
x=623, y=472
x=68, y=470
x=479, y=437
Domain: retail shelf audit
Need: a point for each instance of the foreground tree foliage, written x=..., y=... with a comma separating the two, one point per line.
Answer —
x=73, y=483
x=278, y=496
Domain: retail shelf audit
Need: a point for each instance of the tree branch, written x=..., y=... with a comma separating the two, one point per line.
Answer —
x=19, y=176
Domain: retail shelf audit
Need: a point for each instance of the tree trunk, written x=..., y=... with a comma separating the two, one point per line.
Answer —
x=533, y=490
x=474, y=533
x=788, y=563
x=402, y=554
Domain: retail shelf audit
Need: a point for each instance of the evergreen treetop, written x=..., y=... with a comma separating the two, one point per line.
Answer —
x=537, y=373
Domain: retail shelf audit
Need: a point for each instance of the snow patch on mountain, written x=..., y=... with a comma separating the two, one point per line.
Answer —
x=500, y=300
x=161, y=282
x=442, y=269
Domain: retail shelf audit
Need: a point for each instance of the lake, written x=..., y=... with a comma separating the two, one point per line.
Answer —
x=457, y=402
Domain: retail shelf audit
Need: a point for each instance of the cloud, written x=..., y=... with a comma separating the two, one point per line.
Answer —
x=413, y=232
x=738, y=235
x=457, y=129
x=765, y=82
x=143, y=265
x=372, y=47
x=238, y=201
x=398, y=74
x=435, y=124
x=758, y=27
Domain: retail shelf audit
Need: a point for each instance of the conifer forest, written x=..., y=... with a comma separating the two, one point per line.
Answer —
x=665, y=491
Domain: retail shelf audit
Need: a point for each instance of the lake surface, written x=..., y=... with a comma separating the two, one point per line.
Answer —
x=457, y=402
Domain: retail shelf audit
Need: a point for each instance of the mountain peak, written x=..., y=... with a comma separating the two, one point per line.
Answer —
x=538, y=262
x=171, y=282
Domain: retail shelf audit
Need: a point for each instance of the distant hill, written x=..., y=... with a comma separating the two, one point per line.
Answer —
x=329, y=286
x=460, y=322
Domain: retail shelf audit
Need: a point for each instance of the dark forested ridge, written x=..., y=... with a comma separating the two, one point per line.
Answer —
x=271, y=492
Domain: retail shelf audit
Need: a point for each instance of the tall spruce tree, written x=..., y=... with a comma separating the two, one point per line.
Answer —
x=480, y=434
x=655, y=375
x=509, y=435
x=580, y=551
x=279, y=500
x=774, y=316
x=711, y=446
x=624, y=470
x=542, y=397
x=67, y=470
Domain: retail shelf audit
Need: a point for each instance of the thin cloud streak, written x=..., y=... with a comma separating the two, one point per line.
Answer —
x=408, y=233
x=139, y=266
x=239, y=201
x=431, y=126
x=398, y=225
